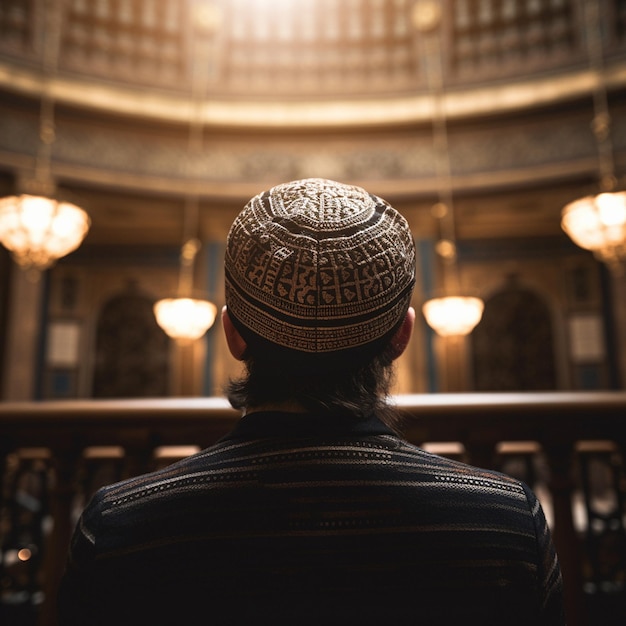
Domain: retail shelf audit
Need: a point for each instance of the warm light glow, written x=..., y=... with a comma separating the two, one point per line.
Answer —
x=39, y=230
x=185, y=319
x=453, y=315
x=598, y=223
x=24, y=554
x=426, y=16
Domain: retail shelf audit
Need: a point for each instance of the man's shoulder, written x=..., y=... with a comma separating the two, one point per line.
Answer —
x=175, y=475
x=450, y=471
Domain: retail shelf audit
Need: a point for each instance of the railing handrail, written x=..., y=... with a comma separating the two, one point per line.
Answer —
x=412, y=404
x=556, y=420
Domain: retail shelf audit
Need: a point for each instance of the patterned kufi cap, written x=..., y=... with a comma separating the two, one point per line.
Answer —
x=318, y=266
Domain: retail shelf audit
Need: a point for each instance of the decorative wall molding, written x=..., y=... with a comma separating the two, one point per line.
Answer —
x=387, y=110
x=537, y=147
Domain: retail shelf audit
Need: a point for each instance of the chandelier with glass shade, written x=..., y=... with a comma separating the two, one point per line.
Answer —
x=188, y=316
x=451, y=314
x=597, y=222
x=39, y=229
x=35, y=226
x=185, y=318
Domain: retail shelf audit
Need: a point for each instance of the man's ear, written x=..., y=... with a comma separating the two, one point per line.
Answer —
x=236, y=343
x=401, y=339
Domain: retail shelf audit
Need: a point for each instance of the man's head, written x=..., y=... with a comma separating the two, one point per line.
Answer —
x=317, y=272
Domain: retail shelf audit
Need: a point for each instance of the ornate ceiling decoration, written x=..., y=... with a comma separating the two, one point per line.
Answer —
x=304, y=63
x=343, y=80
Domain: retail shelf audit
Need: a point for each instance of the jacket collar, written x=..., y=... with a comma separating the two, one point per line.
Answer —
x=272, y=424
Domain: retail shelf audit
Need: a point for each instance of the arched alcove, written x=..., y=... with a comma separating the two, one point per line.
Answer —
x=513, y=345
x=131, y=349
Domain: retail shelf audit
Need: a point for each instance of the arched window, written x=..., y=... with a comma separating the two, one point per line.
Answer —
x=131, y=350
x=513, y=344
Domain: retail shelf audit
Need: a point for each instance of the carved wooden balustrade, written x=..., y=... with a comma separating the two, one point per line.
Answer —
x=54, y=454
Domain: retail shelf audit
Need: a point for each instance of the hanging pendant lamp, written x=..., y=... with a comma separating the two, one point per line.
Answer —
x=453, y=315
x=38, y=230
x=35, y=226
x=598, y=223
x=185, y=318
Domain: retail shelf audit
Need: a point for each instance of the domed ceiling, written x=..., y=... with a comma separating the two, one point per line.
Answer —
x=281, y=89
x=288, y=62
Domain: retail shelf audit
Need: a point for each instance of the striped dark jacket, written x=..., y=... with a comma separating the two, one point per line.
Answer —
x=301, y=519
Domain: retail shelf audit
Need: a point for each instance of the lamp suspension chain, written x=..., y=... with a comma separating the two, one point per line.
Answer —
x=601, y=123
x=49, y=64
x=445, y=210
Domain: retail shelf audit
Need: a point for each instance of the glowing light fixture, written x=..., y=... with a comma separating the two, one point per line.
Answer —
x=38, y=230
x=454, y=314
x=598, y=222
x=185, y=319
x=36, y=227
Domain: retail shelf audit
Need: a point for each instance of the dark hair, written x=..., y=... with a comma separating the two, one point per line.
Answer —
x=352, y=383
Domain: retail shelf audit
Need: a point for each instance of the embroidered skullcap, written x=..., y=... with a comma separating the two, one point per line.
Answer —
x=318, y=266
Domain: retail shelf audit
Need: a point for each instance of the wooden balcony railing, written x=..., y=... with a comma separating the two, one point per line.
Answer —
x=569, y=446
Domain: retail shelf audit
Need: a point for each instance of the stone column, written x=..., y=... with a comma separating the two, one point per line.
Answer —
x=23, y=335
x=618, y=287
